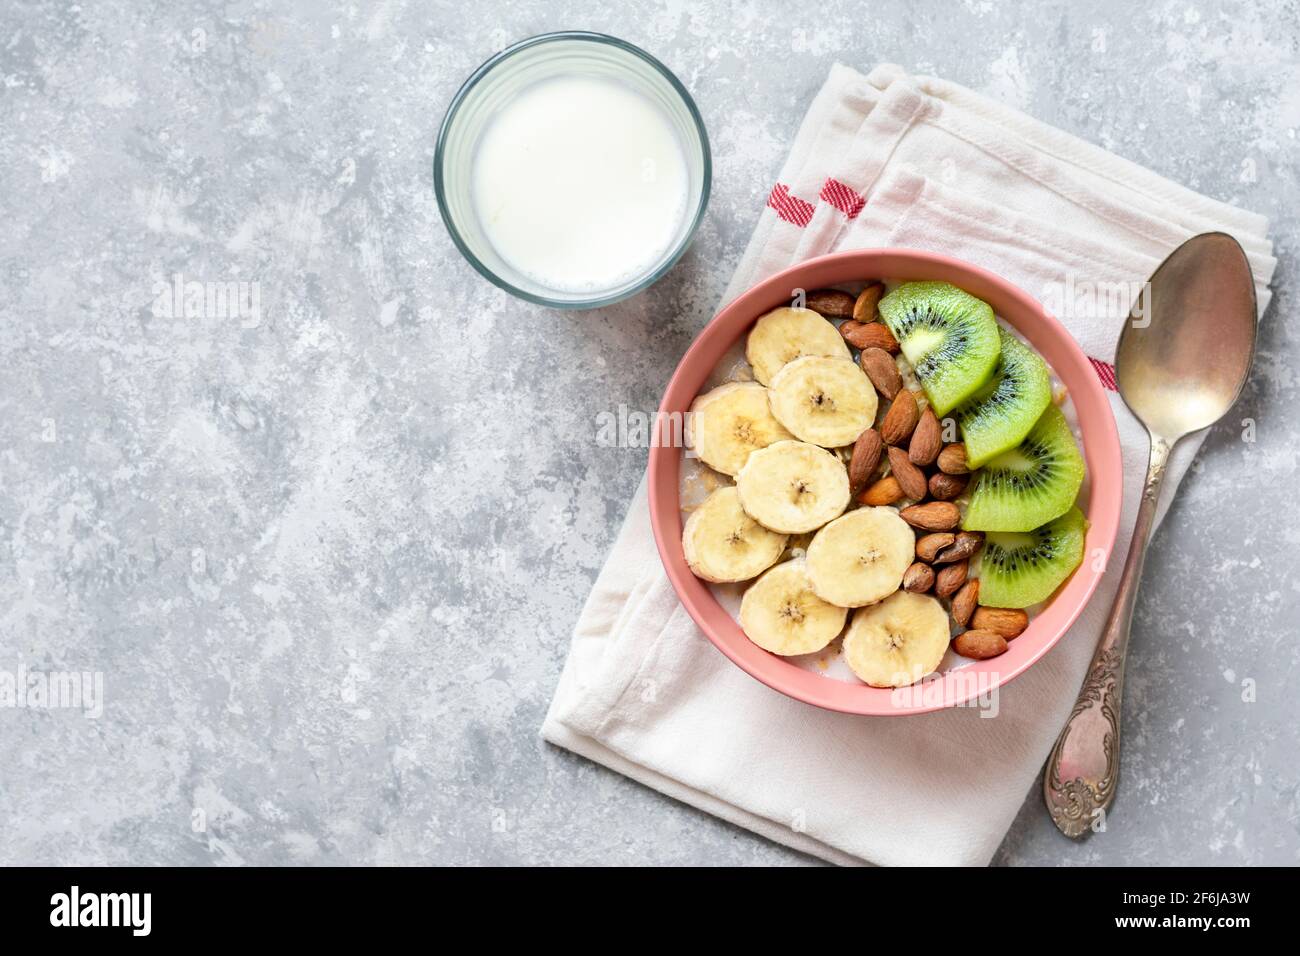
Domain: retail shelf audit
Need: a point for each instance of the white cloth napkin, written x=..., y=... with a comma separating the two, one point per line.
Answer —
x=889, y=160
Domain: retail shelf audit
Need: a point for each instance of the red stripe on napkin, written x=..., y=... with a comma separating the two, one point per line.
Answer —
x=1105, y=372
x=792, y=209
x=842, y=198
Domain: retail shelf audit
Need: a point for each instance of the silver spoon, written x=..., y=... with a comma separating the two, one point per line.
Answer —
x=1182, y=360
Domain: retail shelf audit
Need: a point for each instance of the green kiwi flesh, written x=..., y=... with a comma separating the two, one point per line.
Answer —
x=1002, y=412
x=949, y=336
x=1020, y=569
x=1031, y=484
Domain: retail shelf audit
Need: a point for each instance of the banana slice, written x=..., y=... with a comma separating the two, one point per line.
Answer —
x=792, y=487
x=825, y=401
x=898, y=641
x=861, y=557
x=723, y=544
x=781, y=614
x=784, y=335
x=729, y=422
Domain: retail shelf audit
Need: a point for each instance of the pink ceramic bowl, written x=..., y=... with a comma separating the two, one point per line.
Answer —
x=1101, y=503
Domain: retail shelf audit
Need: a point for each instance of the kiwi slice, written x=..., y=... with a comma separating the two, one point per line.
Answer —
x=949, y=336
x=1032, y=483
x=1002, y=412
x=1018, y=569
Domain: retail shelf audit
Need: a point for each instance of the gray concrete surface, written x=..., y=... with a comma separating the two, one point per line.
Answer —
x=327, y=556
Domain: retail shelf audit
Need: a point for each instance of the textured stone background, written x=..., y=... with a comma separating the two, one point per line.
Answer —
x=329, y=564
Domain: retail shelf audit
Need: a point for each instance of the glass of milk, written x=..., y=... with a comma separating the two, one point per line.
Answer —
x=572, y=169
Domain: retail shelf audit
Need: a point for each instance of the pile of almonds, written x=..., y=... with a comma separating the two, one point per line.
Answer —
x=922, y=470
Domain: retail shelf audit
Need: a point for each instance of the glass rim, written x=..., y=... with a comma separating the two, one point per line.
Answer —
x=488, y=65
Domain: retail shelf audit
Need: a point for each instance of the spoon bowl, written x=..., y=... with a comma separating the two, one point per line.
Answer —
x=1187, y=348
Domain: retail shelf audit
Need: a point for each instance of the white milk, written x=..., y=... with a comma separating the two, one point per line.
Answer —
x=580, y=183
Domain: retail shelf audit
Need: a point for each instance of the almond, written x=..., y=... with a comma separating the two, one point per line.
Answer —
x=864, y=308
x=886, y=491
x=927, y=439
x=949, y=579
x=883, y=372
x=932, y=516
x=964, y=601
x=952, y=460
x=866, y=456
x=980, y=645
x=872, y=335
x=831, y=303
x=946, y=487
x=918, y=578
x=1006, y=621
x=910, y=478
x=967, y=543
x=901, y=419
x=928, y=545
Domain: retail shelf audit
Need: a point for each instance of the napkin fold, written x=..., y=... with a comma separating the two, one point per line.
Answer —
x=890, y=159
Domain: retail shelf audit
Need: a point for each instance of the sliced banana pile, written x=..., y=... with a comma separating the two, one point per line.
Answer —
x=785, y=440
x=825, y=401
x=782, y=614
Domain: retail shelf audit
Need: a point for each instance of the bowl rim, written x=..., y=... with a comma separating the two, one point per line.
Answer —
x=1101, y=450
x=449, y=118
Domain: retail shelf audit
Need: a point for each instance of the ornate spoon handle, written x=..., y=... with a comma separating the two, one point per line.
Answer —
x=1083, y=769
